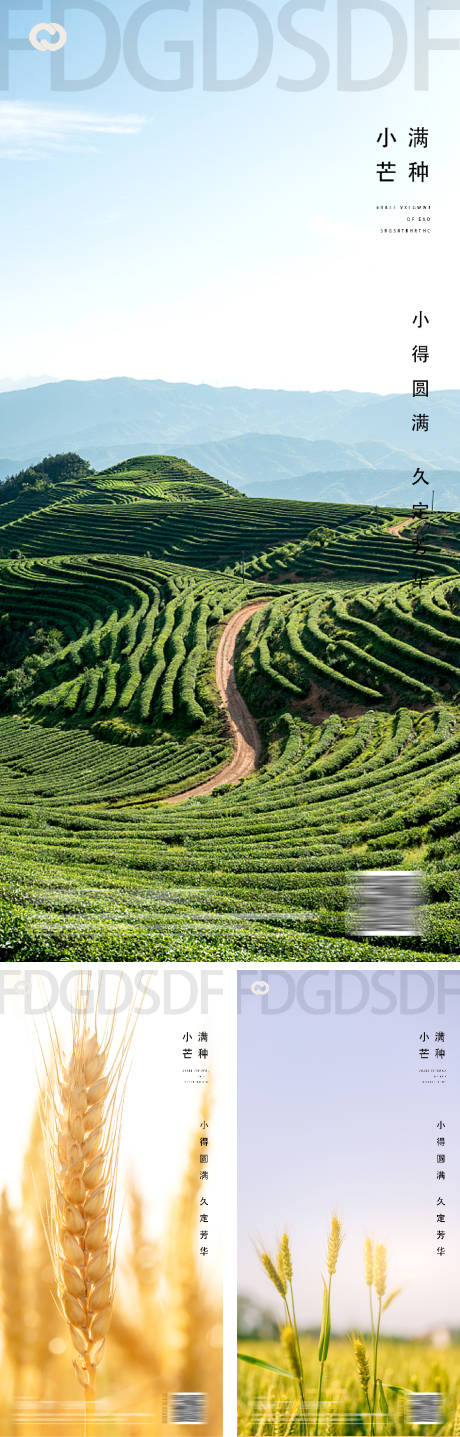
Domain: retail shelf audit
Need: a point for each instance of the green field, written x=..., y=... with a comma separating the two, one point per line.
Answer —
x=114, y=592
x=268, y=1405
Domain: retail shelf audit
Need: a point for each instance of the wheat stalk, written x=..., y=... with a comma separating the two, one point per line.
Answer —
x=380, y=1284
x=81, y=1119
x=369, y=1263
x=334, y=1243
x=281, y=1275
x=361, y=1359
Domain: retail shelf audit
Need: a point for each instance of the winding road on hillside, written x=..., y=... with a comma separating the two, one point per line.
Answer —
x=403, y=524
x=247, y=745
x=244, y=728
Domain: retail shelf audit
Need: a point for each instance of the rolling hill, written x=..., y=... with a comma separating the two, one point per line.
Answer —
x=117, y=591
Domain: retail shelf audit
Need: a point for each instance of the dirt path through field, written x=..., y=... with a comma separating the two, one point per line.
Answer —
x=396, y=528
x=244, y=728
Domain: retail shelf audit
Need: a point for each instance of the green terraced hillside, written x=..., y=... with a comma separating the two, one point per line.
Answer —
x=118, y=646
x=115, y=590
x=167, y=509
x=342, y=647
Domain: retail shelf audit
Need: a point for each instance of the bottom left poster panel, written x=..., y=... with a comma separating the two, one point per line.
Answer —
x=116, y=1182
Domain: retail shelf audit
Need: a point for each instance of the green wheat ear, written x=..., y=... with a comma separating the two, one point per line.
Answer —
x=325, y=1333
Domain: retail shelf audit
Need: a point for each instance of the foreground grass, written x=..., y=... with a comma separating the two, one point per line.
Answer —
x=113, y=924
x=267, y=1403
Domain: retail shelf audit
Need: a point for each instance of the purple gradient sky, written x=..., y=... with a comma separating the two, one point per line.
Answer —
x=333, y=1115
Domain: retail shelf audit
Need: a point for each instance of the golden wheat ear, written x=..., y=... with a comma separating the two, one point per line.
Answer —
x=277, y=1278
x=284, y=1263
x=380, y=1274
x=81, y=1120
x=334, y=1243
x=369, y=1261
x=360, y=1356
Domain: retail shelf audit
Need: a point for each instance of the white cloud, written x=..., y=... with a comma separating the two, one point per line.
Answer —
x=26, y=128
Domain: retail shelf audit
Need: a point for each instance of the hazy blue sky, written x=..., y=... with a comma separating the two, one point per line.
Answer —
x=333, y=1116
x=223, y=237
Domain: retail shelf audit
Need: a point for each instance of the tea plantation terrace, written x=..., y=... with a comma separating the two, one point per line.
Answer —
x=115, y=590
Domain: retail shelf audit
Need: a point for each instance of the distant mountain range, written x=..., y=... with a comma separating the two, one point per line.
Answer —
x=297, y=469
x=330, y=445
x=28, y=381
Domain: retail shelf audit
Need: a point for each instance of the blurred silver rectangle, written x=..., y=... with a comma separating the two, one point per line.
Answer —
x=423, y=1409
x=386, y=903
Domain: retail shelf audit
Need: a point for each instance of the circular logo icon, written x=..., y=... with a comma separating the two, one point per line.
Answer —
x=260, y=988
x=57, y=36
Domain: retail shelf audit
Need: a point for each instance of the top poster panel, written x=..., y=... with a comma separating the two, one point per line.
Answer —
x=230, y=481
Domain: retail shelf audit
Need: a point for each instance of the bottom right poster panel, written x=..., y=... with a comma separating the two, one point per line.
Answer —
x=349, y=1207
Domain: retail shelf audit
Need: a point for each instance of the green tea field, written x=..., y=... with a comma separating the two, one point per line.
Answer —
x=213, y=711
